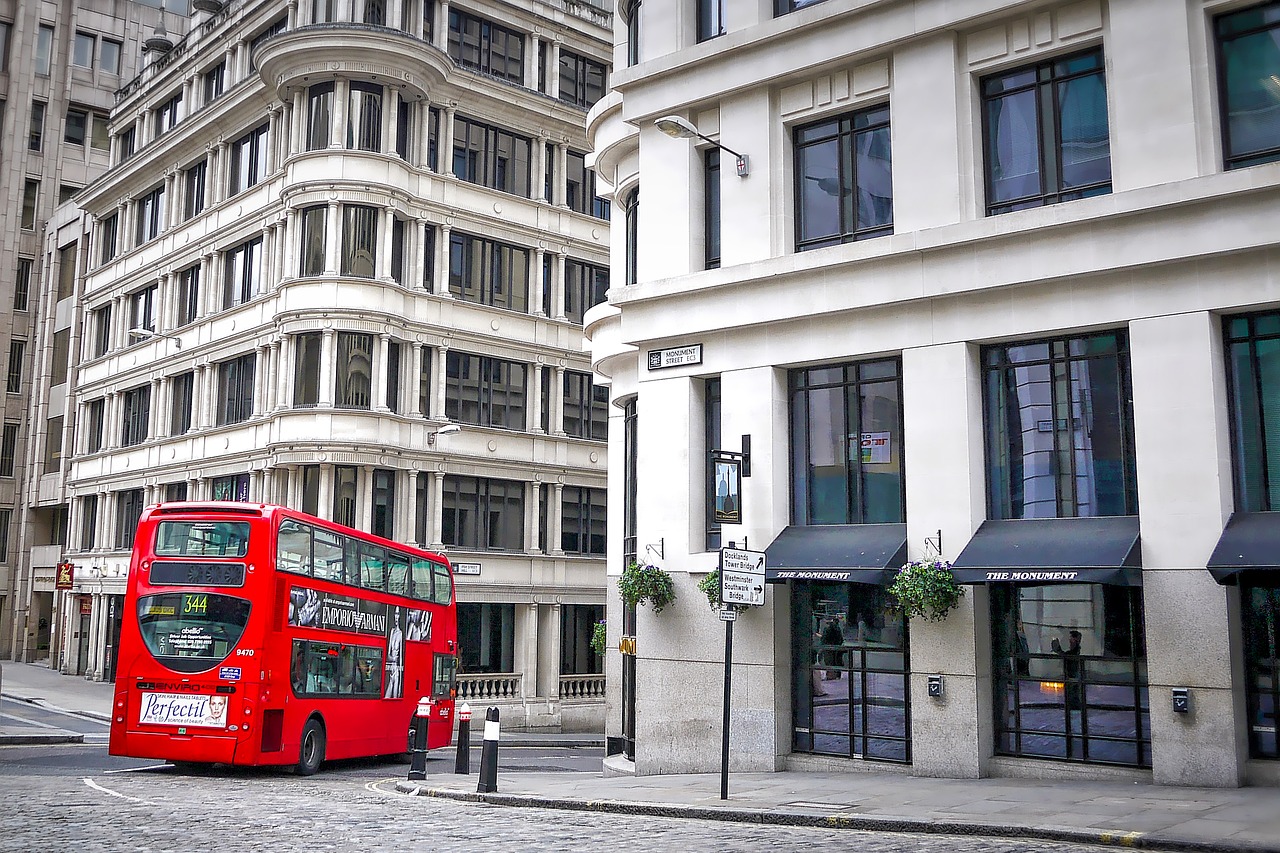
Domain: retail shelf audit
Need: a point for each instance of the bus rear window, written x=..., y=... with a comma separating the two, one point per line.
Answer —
x=202, y=538
x=191, y=631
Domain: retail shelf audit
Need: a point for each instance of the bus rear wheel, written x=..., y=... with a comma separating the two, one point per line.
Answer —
x=311, y=753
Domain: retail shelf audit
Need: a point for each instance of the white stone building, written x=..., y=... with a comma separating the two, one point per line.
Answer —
x=1001, y=282
x=330, y=230
x=60, y=65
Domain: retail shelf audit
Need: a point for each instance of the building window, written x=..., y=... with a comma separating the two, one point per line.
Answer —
x=844, y=179
x=17, y=350
x=710, y=19
x=1077, y=694
x=99, y=136
x=1248, y=66
x=8, y=449
x=384, y=503
x=344, y=495
x=1059, y=425
x=1252, y=362
x=76, y=129
x=364, y=117
x=484, y=391
x=782, y=7
x=319, y=115
x=850, y=696
x=306, y=378
x=107, y=230
x=488, y=272
x=274, y=28
x=182, y=398
x=425, y=375
x=585, y=286
x=711, y=440
x=313, y=223
x=137, y=415
x=630, y=10
x=30, y=193
x=82, y=50
x=214, y=81
x=354, y=371
x=582, y=521
x=95, y=424
x=67, y=257
x=582, y=80
x=711, y=208
x=232, y=488
x=359, y=240
x=5, y=29
x=397, y=249
x=586, y=407
x=631, y=212
x=142, y=309
x=150, y=220
x=168, y=113
x=175, y=491
x=310, y=489
x=484, y=46
x=248, y=160
x=188, y=295
x=194, y=180
x=1045, y=130
x=235, y=389
x=240, y=279
x=483, y=514
x=102, y=331
x=128, y=140
x=128, y=511
x=393, y=375
x=577, y=624
x=580, y=187
x=44, y=50
x=22, y=285
x=60, y=357
x=491, y=157
x=324, y=11
x=1260, y=606
x=486, y=637
x=846, y=444
x=88, y=522
x=109, y=57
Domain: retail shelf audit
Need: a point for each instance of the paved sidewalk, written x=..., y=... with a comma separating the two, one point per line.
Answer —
x=1106, y=813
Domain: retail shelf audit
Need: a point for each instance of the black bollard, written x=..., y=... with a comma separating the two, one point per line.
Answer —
x=462, y=759
x=489, y=754
x=418, y=757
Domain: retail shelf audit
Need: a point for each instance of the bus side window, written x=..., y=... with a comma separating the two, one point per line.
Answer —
x=327, y=560
x=293, y=547
x=422, y=580
x=444, y=584
x=398, y=574
x=298, y=667
x=373, y=564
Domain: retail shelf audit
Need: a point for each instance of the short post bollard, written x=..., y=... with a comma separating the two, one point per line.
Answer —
x=418, y=759
x=462, y=760
x=489, y=754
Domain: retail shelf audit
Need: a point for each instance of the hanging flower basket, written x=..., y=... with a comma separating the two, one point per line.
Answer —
x=710, y=587
x=599, y=637
x=926, y=588
x=642, y=583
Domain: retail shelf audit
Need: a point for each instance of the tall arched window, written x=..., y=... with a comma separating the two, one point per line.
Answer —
x=631, y=209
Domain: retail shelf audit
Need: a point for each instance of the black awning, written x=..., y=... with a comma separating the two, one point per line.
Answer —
x=1053, y=550
x=1251, y=542
x=849, y=553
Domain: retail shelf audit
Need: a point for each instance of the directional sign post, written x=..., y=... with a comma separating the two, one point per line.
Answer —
x=741, y=585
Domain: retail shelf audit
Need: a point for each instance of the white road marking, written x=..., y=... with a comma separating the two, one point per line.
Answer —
x=136, y=769
x=97, y=787
x=373, y=787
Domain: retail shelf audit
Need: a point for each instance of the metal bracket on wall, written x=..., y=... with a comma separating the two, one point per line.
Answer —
x=934, y=545
x=657, y=549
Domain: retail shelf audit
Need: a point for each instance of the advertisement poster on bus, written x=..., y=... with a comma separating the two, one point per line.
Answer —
x=175, y=709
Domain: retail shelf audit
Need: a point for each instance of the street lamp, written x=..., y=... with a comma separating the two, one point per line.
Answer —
x=447, y=429
x=147, y=334
x=680, y=128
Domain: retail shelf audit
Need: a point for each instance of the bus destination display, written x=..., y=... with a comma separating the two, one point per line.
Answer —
x=181, y=573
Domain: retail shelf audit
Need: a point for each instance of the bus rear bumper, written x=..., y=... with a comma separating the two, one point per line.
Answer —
x=205, y=749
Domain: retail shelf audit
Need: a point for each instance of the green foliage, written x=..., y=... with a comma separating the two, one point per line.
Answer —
x=599, y=636
x=641, y=583
x=926, y=588
x=710, y=587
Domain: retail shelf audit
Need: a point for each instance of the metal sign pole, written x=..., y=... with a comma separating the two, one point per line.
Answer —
x=724, y=733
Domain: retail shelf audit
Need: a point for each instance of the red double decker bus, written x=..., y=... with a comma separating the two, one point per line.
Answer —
x=256, y=635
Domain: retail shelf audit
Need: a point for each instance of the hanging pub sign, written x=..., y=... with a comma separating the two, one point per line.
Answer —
x=726, y=487
x=66, y=576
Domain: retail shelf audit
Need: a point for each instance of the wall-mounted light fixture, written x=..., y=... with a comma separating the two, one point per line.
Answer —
x=447, y=429
x=680, y=128
x=148, y=334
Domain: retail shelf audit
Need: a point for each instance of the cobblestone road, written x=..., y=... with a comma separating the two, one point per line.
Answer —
x=50, y=807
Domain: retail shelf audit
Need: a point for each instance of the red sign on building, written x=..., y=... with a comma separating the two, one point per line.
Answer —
x=66, y=576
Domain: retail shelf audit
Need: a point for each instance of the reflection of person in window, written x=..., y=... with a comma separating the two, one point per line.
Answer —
x=298, y=671
x=1070, y=667
x=395, y=658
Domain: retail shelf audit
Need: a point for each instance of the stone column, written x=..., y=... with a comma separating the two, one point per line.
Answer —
x=559, y=186
x=332, y=238
x=557, y=403
x=341, y=97
x=328, y=352
x=444, y=146
x=540, y=168
x=382, y=267
x=391, y=119
x=531, y=61
x=441, y=381
x=377, y=371
x=557, y=285
x=539, y=283
x=532, y=492
x=437, y=510
x=286, y=360
x=441, y=283
x=535, y=397
x=555, y=520
x=415, y=385
x=441, y=26
x=553, y=70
